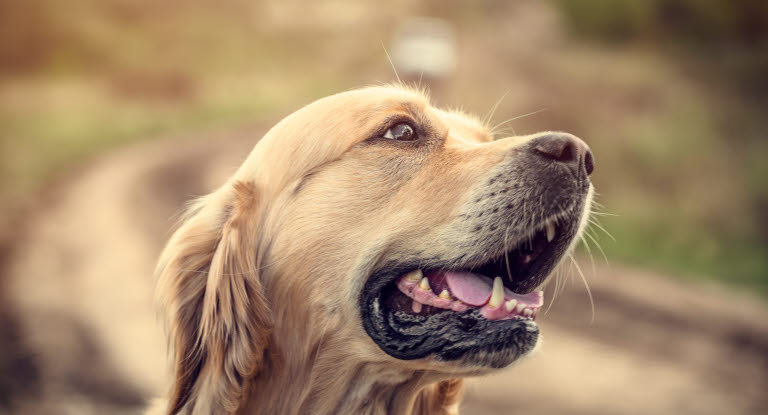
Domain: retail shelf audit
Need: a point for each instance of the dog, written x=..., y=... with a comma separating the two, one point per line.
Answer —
x=370, y=253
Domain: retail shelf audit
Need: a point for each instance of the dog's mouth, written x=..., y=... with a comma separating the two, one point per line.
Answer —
x=481, y=313
x=484, y=288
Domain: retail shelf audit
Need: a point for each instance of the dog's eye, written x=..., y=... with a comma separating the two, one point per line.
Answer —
x=401, y=132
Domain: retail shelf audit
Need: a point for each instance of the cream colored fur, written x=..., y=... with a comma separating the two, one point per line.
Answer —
x=260, y=283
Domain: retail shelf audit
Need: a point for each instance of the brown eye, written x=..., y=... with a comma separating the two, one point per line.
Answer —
x=401, y=132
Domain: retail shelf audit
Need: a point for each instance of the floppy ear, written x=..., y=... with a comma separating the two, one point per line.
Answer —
x=219, y=321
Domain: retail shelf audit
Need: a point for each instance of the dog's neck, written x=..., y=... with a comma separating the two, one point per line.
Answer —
x=329, y=384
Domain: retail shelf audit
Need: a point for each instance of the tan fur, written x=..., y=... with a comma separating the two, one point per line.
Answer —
x=220, y=319
x=260, y=283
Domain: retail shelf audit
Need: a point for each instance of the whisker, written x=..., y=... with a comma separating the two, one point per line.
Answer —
x=597, y=244
x=597, y=224
x=603, y=214
x=391, y=63
x=489, y=116
x=586, y=285
x=504, y=131
x=568, y=277
x=506, y=257
x=589, y=252
x=558, y=275
x=517, y=118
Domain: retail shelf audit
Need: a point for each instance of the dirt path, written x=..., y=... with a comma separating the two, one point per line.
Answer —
x=80, y=283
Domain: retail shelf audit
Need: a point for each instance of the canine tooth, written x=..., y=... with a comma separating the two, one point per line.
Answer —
x=497, y=296
x=424, y=284
x=527, y=258
x=520, y=308
x=445, y=295
x=414, y=275
x=527, y=312
x=510, y=305
x=550, y=231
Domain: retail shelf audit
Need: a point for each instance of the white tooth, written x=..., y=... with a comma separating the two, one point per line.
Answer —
x=416, y=307
x=497, y=296
x=424, y=284
x=527, y=312
x=510, y=305
x=527, y=258
x=414, y=275
x=445, y=295
x=550, y=231
x=520, y=308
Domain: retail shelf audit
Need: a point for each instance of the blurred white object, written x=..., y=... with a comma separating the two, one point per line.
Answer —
x=424, y=47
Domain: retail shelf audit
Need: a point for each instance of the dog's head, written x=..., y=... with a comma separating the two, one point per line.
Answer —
x=372, y=222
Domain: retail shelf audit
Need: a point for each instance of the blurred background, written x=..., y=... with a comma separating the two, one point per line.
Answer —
x=113, y=113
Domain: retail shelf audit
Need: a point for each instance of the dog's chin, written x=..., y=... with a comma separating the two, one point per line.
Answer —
x=429, y=309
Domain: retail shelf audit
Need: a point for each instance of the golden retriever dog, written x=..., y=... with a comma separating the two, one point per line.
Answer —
x=370, y=252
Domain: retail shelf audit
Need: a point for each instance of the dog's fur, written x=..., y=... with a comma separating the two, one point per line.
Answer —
x=260, y=283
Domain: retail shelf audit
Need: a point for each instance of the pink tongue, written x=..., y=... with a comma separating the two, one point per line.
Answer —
x=470, y=288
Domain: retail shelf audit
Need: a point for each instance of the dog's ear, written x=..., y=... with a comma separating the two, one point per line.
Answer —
x=209, y=286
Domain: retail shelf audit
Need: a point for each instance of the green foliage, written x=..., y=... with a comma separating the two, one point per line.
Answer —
x=697, y=21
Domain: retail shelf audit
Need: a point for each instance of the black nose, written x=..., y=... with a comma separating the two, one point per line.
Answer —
x=566, y=149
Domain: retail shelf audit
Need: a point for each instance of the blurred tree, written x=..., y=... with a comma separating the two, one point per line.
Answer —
x=696, y=21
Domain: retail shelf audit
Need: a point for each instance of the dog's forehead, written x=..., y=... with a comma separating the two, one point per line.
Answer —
x=325, y=129
x=369, y=107
x=322, y=131
x=346, y=118
x=365, y=109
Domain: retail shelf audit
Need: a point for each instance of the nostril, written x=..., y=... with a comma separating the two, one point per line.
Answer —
x=589, y=162
x=568, y=153
x=566, y=149
x=559, y=149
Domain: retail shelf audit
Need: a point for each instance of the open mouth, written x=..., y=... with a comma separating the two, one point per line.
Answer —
x=461, y=291
x=482, y=313
x=484, y=289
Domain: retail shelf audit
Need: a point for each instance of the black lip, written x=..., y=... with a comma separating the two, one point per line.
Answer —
x=446, y=335
x=449, y=335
